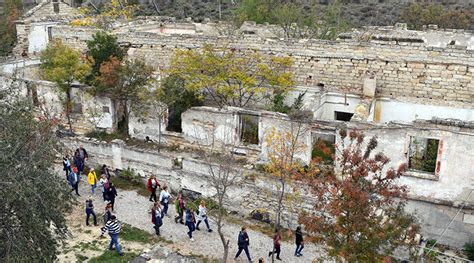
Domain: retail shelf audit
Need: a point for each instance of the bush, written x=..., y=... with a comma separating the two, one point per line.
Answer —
x=469, y=250
x=129, y=175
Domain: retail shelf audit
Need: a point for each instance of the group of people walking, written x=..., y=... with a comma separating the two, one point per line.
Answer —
x=185, y=214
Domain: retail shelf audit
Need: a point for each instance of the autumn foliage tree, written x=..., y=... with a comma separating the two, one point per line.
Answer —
x=231, y=78
x=127, y=84
x=359, y=210
x=63, y=65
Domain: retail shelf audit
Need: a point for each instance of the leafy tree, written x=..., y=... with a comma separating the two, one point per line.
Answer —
x=127, y=85
x=63, y=65
x=283, y=163
x=416, y=15
x=101, y=47
x=177, y=98
x=333, y=22
x=230, y=78
x=12, y=10
x=292, y=19
x=360, y=209
x=32, y=224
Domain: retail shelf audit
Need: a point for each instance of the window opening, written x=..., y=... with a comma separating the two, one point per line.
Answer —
x=423, y=153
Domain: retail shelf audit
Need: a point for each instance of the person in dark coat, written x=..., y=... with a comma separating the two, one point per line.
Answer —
x=67, y=166
x=157, y=217
x=78, y=162
x=90, y=211
x=299, y=242
x=190, y=222
x=111, y=194
x=83, y=156
x=243, y=243
x=74, y=180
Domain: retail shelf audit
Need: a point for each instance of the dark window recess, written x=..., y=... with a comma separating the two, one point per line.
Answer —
x=323, y=147
x=174, y=120
x=343, y=116
x=76, y=107
x=105, y=109
x=422, y=154
x=249, y=128
x=56, y=7
x=50, y=33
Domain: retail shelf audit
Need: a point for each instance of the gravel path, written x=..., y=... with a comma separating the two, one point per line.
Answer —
x=133, y=209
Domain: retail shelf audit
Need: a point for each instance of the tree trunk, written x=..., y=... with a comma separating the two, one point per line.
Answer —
x=159, y=129
x=126, y=116
x=68, y=106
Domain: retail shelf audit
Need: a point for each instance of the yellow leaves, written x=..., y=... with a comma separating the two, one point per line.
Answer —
x=87, y=21
x=232, y=78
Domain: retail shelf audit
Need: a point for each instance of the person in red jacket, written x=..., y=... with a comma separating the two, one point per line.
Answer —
x=152, y=185
x=276, y=245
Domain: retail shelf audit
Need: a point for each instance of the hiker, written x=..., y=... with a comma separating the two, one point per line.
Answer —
x=107, y=213
x=299, y=242
x=78, y=162
x=111, y=194
x=157, y=217
x=67, y=166
x=276, y=245
x=105, y=170
x=92, y=179
x=83, y=157
x=164, y=199
x=202, y=216
x=152, y=185
x=104, y=186
x=113, y=227
x=90, y=211
x=179, y=204
x=74, y=179
x=190, y=222
x=243, y=243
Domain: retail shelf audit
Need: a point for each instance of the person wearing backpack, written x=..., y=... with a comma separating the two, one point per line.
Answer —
x=90, y=211
x=190, y=222
x=152, y=185
x=113, y=227
x=243, y=243
x=202, y=216
x=74, y=180
x=157, y=217
x=179, y=205
x=92, y=180
x=164, y=199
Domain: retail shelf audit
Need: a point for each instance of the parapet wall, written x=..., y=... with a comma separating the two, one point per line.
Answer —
x=403, y=68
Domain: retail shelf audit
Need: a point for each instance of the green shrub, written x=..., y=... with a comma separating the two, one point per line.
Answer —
x=469, y=250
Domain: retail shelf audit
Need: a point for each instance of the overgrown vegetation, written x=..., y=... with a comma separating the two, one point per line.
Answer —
x=469, y=250
x=12, y=11
x=131, y=233
x=111, y=256
x=28, y=147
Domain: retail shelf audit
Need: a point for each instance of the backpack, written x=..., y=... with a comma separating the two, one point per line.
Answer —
x=158, y=220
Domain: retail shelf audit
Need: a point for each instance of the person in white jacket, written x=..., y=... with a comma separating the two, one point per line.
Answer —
x=202, y=216
x=165, y=199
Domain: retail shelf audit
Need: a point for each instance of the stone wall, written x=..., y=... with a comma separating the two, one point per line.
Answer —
x=255, y=192
x=408, y=70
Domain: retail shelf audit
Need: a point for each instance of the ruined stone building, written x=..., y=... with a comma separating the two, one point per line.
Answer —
x=414, y=90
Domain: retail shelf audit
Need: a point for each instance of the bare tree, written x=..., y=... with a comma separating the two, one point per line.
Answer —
x=224, y=173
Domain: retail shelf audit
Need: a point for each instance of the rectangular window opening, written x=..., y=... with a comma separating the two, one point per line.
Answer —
x=422, y=154
x=56, y=6
x=50, y=33
x=343, y=116
x=323, y=147
x=249, y=128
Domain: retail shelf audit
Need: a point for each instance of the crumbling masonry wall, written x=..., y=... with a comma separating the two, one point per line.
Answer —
x=409, y=70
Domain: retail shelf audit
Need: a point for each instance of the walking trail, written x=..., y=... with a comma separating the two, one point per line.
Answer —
x=134, y=209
